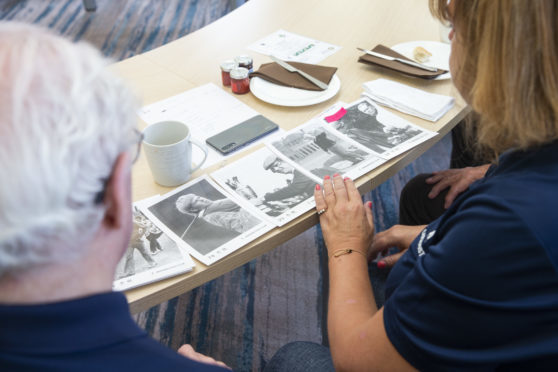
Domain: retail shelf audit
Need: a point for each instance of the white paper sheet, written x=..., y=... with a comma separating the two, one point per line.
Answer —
x=276, y=197
x=317, y=151
x=207, y=110
x=152, y=257
x=292, y=47
x=373, y=128
x=209, y=229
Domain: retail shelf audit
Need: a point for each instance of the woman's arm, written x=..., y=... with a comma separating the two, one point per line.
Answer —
x=357, y=336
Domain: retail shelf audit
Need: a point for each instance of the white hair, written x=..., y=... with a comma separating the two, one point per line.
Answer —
x=184, y=204
x=64, y=119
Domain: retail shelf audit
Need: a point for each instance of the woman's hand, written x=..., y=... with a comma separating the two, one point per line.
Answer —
x=346, y=222
x=188, y=351
x=399, y=236
x=458, y=180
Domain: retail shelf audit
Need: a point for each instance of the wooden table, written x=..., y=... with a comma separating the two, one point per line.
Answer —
x=194, y=60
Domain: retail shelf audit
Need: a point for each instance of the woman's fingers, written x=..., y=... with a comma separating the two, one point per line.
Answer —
x=339, y=188
x=389, y=261
x=329, y=194
x=352, y=191
x=369, y=215
x=321, y=204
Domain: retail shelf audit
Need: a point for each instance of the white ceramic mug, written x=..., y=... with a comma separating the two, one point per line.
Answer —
x=168, y=149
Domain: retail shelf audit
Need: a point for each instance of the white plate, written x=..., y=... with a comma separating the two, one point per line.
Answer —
x=440, y=54
x=286, y=96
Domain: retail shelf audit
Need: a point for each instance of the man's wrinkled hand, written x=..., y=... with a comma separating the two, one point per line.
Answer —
x=458, y=180
x=188, y=351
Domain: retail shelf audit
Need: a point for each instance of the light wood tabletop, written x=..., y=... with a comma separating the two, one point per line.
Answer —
x=194, y=61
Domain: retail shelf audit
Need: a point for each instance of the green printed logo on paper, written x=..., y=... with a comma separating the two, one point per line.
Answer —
x=309, y=46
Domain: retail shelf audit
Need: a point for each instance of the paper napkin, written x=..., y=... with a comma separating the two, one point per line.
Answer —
x=278, y=75
x=407, y=99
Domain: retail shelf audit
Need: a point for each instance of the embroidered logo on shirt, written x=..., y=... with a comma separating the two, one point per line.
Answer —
x=420, y=249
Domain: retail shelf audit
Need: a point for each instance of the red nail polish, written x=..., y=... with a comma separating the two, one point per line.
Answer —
x=346, y=179
x=381, y=265
x=369, y=204
x=336, y=175
x=326, y=178
x=317, y=187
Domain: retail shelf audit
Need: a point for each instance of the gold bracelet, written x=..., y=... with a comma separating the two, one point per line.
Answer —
x=341, y=252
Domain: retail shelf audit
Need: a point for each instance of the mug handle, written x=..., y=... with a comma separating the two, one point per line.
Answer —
x=204, y=149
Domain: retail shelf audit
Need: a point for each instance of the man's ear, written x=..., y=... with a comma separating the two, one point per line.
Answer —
x=118, y=194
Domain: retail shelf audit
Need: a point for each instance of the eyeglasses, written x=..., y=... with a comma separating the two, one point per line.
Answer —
x=138, y=137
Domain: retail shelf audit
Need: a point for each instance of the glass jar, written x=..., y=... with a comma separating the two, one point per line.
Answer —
x=240, y=82
x=245, y=61
x=226, y=68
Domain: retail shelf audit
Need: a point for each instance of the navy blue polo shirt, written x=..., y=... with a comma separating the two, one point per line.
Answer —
x=478, y=288
x=94, y=333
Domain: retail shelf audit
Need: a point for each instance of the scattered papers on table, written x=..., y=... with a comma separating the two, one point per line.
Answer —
x=292, y=47
x=275, y=184
x=407, y=99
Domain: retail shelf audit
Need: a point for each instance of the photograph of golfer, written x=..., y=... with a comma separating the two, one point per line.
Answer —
x=202, y=216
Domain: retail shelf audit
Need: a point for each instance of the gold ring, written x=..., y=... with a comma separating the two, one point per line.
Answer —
x=321, y=211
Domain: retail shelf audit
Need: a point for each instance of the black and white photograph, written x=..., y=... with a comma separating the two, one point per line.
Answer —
x=151, y=255
x=270, y=184
x=204, y=220
x=379, y=130
x=322, y=152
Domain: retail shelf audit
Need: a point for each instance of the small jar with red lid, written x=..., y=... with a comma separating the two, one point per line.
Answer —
x=240, y=81
x=226, y=68
x=245, y=61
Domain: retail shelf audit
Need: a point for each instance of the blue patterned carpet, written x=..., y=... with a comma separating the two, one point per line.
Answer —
x=244, y=316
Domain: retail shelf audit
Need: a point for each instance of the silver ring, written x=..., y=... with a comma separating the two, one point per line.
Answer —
x=321, y=211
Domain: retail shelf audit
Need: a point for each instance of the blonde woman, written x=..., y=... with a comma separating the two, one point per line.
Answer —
x=477, y=288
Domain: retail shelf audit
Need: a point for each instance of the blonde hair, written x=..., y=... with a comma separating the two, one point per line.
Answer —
x=64, y=120
x=508, y=68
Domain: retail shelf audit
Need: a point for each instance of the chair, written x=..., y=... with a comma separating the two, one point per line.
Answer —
x=90, y=5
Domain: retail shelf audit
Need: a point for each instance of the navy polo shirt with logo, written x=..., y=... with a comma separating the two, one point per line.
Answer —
x=478, y=288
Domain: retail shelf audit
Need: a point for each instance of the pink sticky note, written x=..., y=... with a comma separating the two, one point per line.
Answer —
x=338, y=115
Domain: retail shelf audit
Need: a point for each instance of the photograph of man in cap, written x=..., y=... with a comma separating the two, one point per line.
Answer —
x=299, y=185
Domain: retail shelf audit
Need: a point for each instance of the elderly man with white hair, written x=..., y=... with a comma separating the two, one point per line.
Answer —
x=67, y=141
